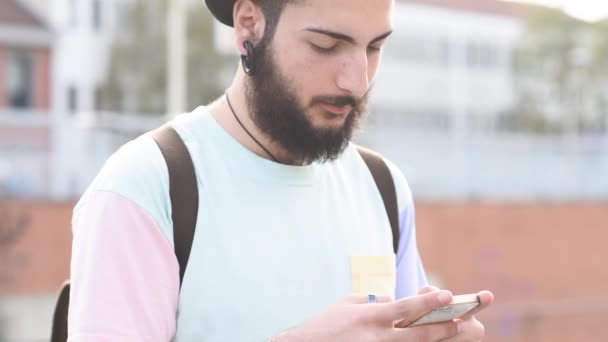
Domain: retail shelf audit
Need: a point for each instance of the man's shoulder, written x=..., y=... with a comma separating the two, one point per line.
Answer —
x=140, y=164
x=402, y=187
x=136, y=163
x=137, y=172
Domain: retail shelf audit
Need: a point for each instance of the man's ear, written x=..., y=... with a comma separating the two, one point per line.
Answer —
x=249, y=23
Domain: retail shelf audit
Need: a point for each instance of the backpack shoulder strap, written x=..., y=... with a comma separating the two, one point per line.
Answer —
x=384, y=181
x=59, y=331
x=183, y=190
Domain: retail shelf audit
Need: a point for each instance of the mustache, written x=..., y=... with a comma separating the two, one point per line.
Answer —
x=338, y=101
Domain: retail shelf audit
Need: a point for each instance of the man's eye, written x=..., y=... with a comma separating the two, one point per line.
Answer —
x=374, y=49
x=323, y=50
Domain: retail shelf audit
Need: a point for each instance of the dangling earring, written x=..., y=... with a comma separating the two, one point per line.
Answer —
x=248, y=60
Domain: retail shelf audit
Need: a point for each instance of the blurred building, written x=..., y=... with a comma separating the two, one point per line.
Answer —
x=449, y=65
x=445, y=86
x=82, y=33
x=26, y=57
x=83, y=138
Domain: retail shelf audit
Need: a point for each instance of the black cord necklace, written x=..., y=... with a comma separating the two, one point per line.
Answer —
x=247, y=131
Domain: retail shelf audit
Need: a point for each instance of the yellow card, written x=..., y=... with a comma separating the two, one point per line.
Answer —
x=373, y=274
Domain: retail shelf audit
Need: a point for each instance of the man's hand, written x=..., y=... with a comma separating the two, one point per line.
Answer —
x=353, y=319
x=470, y=329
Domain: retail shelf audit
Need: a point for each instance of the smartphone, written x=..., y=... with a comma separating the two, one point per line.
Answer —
x=459, y=306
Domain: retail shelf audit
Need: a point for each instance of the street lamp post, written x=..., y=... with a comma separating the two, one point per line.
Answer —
x=176, y=61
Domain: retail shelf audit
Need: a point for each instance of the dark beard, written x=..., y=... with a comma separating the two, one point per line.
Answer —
x=272, y=101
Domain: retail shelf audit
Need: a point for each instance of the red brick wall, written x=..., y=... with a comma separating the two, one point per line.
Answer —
x=38, y=261
x=546, y=263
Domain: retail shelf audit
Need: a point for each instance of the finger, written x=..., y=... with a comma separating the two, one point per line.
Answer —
x=428, y=289
x=384, y=299
x=363, y=299
x=429, y=332
x=409, y=309
x=485, y=299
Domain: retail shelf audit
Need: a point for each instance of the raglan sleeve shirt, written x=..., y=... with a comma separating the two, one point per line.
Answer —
x=124, y=274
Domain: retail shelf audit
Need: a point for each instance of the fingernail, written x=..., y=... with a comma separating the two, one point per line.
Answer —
x=444, y=297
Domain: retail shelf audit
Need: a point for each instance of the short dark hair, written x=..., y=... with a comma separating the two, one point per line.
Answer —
x=272, y=10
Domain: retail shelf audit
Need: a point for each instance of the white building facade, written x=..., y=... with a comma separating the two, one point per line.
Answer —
x=447, y=66
x=444, y=85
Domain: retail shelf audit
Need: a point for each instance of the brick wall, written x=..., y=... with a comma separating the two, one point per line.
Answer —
x=546, y=264
x=38, y=260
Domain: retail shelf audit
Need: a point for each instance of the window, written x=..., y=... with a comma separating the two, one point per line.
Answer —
x=72, y=99
x=19, y=79
x=421, y=49
x=97, y=15
x=481, y=55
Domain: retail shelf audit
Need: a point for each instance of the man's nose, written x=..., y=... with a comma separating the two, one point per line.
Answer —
x=353, y=76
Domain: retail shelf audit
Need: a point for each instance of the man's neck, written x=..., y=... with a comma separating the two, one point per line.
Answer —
x=223, y=114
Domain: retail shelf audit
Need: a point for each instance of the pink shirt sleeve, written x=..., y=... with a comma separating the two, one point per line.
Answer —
x=124, y=274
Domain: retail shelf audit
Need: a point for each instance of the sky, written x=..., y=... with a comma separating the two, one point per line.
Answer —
x=584, y=9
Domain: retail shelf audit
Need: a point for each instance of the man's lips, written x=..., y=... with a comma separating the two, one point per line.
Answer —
x=336, y=110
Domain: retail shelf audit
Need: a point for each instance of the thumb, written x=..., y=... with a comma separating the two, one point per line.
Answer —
x=410, y=309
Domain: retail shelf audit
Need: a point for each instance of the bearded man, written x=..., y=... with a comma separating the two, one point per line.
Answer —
x=286, y=202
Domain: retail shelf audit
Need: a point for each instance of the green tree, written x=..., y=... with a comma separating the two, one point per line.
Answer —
x=137, y=76
x=599, y=72
x=559, y=64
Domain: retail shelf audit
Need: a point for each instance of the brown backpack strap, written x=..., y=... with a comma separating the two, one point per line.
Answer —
x=384, y=181
x=59, y=332
x=183, y=190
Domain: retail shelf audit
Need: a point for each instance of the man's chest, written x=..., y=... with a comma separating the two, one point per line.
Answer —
x=262, y=261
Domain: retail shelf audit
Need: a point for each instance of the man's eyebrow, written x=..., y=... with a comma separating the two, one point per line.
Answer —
x=344, y=37
x=335, y=35
x=381, y=37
